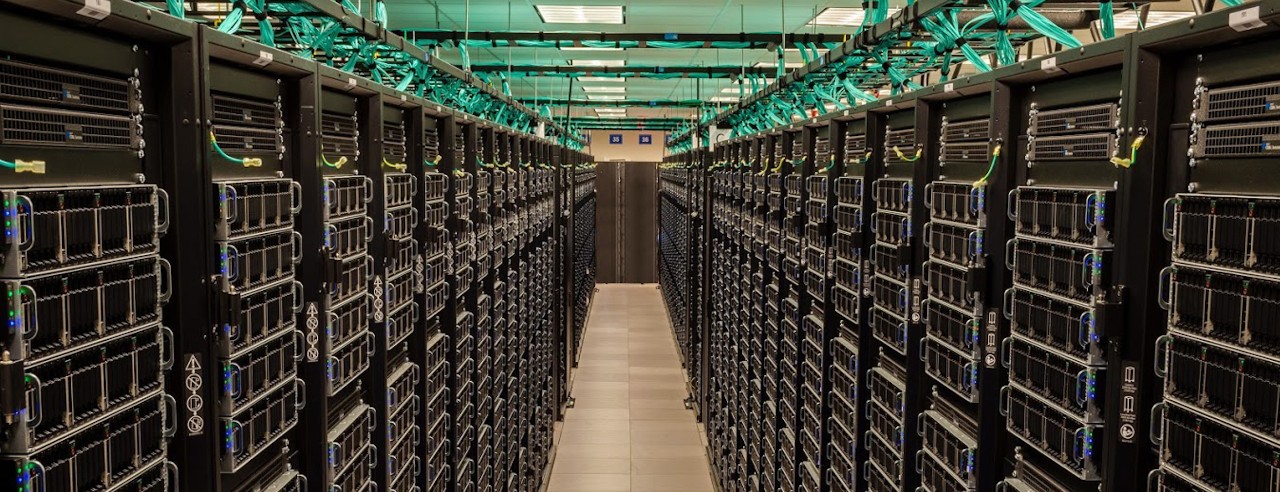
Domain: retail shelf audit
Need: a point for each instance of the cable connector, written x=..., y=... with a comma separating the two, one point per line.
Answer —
x=335, y=164
x=35, y=167
x=251, y=162
x=398, y=167
x=1133, y=150
x=916, y=157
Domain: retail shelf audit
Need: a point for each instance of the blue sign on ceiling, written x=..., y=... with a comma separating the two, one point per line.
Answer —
x=646, y=139
x=615, y=139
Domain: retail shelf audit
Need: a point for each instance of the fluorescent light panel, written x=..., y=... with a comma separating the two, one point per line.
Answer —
x=580, y=14
x=611, y=110
x=614, y=89
x=602, y=79
x=773, y=64
x=587, y=48
x=724, y=99
x=1129, y=19
x=611, y=116
x=597, y=63
x=842, y=16
x=605, y=97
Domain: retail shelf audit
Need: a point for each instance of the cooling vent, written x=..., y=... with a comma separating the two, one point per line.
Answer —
x=394, y=145
x=966, y=130
x=903, y=139
x=236, y=140
x=234, y=111
x=64, y=128
x=1073, y=147
x=855, y=147
x=430, y=144
x=1239, y=140
x=1075, y=120
x=1239, y=102
x=338, y=136
x=964, y=152
x=38, y=83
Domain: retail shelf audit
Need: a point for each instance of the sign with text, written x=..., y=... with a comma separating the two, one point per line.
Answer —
x=615, y=139
x=646, y=139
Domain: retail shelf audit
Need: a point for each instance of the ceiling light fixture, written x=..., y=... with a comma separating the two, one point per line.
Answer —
x=605, y=97
x=597, y=63
x=613, y=89
x=580, y=14
x=587, y=48
x=602, y=79
x=1129, y=18
x=775, y=64
x=842, y=16
x=724, y=99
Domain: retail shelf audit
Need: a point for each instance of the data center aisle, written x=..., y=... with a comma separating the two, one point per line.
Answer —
x=629, y=430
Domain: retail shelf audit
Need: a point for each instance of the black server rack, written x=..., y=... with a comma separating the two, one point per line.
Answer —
x=322, y=265
x=1038, y=239
x=88, y=349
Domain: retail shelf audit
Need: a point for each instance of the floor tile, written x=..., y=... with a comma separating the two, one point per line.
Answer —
x=589, y=482
x=671, y=483
x=574, y=466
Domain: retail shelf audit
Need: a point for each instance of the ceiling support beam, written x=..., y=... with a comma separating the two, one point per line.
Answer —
x=625, y=71
x=759, y=41
x=630, y=103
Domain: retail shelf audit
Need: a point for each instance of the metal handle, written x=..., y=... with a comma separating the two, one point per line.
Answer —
x=27, y=227
x=975, y=244
x=368, y=228
x=298, y=301
x=229, y=199
x=162, y=206
x=1155, y=431
x=295, y=197
x=1086, y=276
x=1004, y=400
x=1162, y=355
x=167, y=353
x=1011, y=209
x=298, y=349
x=370, y=348
x=166, y=287
x=231, y=258
x=866, y=408
x=1010, y=253
x=393, y=396
x=1090, y=215
x=172, y=469
x=36, y=476
x=373, y=461
x=1078, y=444
x=170, y=416
x=924, y=267
x=337, y=456
x=1082, y=387
x=393, y=431
x=368, y=189
x=1168, y=219
x=928, y=196
x=35, y=401
x=1008, y=303
x=924, y=231
x=232, y=384
x=977, y=197
x=300, y=394
x=296, y=242
x=920, y=345
x=1164, y=286
x=920, y=462
x=393, y=462
x=1086, y=328
x=1006, y=352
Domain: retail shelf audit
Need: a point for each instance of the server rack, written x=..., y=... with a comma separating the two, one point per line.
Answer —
x=87, y=352
x=1213, y=424
x=994, y=336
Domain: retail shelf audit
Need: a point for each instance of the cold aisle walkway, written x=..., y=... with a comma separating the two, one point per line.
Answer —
x=629, y=430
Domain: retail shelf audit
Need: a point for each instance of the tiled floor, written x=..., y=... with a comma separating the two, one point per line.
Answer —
x=629, y=430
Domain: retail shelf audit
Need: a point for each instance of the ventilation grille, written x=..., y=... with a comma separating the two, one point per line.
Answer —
x=338, y=136
x=855, y=147
x=1075, y=120
x=1073, y=147
x=1240, y=140
x=31, y=82
x=903, y=139
x=394, y=143
x=967, y=130
x=228, y=110
x=42, y=126
x=1246, y=101
x=821, y=152
x=964, y=152
x=430, y=144
x=238, y=140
